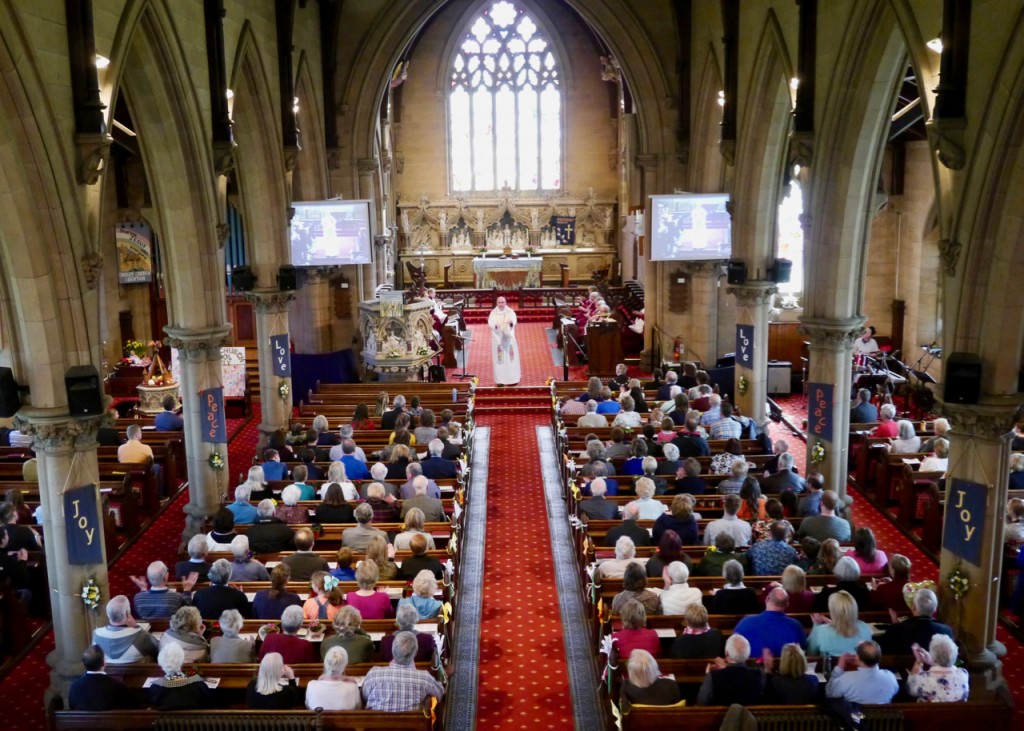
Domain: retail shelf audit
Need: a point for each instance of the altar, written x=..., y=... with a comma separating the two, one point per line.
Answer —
x=507, y=273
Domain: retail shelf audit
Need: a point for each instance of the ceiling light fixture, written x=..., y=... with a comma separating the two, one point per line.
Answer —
x=794, y=83
x=935, y=44
x=721, y=98
x=102, y=61
x=229, y=94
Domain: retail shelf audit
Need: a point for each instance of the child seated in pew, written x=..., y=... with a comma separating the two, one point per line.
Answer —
x=343, y=570
x=328, y=600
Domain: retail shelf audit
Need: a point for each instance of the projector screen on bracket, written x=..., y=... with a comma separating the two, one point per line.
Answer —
x=331, y=233
x=690, y=227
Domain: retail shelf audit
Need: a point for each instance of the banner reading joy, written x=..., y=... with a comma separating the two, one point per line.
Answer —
x=81, y=526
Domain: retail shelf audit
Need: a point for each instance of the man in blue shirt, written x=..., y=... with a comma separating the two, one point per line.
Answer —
x=167, y=420
x=810, y=502
x=243, y=510
x=771, y=556
x=355, y=469
x=869, y=685
x=273, y=467
x=772, y=629
x=608, y=405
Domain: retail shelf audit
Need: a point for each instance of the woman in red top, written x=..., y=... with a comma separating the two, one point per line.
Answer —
x=372, y=604
x=361, y=418
x=634, y=634
x=293, y=649
x=794, y=581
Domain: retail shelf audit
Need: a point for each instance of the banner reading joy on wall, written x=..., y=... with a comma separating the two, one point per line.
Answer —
x=215, y=430
x=965, y=520
x=281, y=356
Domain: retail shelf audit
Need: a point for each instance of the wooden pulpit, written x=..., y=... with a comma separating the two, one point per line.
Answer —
x=604, y=348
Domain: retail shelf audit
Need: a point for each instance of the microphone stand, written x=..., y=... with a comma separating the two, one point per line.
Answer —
x=465, y=355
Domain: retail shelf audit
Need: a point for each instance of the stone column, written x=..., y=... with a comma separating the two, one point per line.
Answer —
x=701, y=339
x=831, y=354
x=66, y=456
x=271, y=319
x=979, y=453
x=753, y=301
x=200, y=361
x=312, y=332
x=648, y=270
x=369, y=170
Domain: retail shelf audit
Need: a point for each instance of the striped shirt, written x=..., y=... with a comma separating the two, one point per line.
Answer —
x=158, y=603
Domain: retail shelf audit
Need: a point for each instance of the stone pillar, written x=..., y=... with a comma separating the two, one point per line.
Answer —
x=271, y=319
x=66, y=455
x=831, y=359
x=312, y=332
x=753, y=301
x=200, y=361
x=701, y=339
x=979, y=453
x=648, y=270
x=369, y=170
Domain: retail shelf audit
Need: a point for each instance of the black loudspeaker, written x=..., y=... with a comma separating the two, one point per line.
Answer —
x=737, y=271
x=242, y=278
x=287, y=278
x=963, y=379
x=85, y=395
x=781, y=271
x=10, y=398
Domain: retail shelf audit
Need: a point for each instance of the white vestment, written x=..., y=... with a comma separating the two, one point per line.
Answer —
x=504, y=349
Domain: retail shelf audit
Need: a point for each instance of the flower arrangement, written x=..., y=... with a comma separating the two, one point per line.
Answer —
x=136, y=348
x=91, y=595
x=818, y=453
x=267, y=629
x=743, y=386
x=216, y=461
x=214, y=630
x=284, y=390
x=315, y=627
x=422, y=350
x=958, y=583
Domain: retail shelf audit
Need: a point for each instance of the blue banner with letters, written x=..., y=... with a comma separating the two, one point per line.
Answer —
x=965, y=520
x=82, y=526
x=281, y=355
x=820, y=407
x=745, y=346
x=215, y=429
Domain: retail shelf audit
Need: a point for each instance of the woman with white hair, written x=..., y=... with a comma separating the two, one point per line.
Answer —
x=646, y=505
x=938, y=462
x=334, y=691
x=628, y=417
x=645, y=684
x=243, y=510
x=186, y=630
x=625, y=554
x=176, y=691
x=941, y=428
x=230, y=646
x=678, y=594
x=256, y=481
x=941, y=682
x=841, y=632
x=424, y=587
x=906, y=441
x=267, y=692
x=414, y=520
x=738, y=471
x=886, y=424
x=243, y=566
x=290, y=511
x=1017, y=471
x=406, y=618
x=847, y=574
x=336, y=473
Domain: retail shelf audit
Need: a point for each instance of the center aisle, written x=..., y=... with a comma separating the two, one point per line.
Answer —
x=523, y=673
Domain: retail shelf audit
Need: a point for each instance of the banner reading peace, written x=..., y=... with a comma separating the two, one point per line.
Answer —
x=215, y=430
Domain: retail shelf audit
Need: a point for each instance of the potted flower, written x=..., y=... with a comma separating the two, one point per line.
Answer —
x=315, y=630
x=267, y=629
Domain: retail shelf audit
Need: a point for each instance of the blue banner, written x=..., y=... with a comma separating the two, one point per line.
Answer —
x=82, y=526
x=820, y=407
x=565, y=230
x=281, y=356
x=965, y=520
x=745, y=346
x=215, y=429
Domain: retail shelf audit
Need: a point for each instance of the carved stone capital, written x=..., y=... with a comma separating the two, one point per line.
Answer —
x=947, y=137
x=647, y=161
x=833, y=334
x=291, y=157
x=223, y=231
x=199, y=343
x=55, y=430
x=753, y=294
x=949, y=253
x=91, y=151
x=703, y=268
x=269, y=301
x=223, y=157
x=728, y=150
x=368, y=165
x=92, y=265
x=801, y=149
x=992, y=421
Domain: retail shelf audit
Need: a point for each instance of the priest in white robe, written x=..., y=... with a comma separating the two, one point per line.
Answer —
x=504, y=349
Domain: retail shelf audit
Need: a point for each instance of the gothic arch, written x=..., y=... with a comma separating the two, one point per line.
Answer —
x=148, y=63
x=707, y=169
x=310, y=180
x=43, y=230
x=259, y=161
x=847, y=159
x=761, y=152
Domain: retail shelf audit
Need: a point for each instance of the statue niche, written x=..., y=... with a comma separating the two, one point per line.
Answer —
x=460, y=236
x=507, y=234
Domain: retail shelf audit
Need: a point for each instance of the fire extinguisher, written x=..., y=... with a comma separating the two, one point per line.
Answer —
x=677, y=350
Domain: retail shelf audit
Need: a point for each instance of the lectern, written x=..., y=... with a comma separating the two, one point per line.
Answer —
x=604, y=348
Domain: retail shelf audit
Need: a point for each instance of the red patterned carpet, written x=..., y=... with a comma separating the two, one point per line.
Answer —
x=21, y=692
x=534, y=350
x=523, y=673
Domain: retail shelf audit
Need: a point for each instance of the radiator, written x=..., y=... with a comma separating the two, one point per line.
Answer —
x=803, y=721
x=235, y=722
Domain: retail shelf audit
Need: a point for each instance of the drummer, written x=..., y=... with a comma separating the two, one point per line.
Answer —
x=866, y=343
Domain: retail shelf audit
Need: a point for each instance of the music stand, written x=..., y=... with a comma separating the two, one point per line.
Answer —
x=465, y=338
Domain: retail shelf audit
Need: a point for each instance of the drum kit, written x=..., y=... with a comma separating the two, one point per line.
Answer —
x=892, y=379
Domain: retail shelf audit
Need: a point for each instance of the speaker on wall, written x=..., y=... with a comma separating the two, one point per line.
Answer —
x=781, y=271
x=10, y=398
x=85, y=394
x=287, y=278
x=737, y=271
x=963, y=379
x=242, y=278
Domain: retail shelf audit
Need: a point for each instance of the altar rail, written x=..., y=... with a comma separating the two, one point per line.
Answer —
x=517, y=298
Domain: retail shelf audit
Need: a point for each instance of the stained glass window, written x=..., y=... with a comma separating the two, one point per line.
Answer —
x=505, y=105
x=791, y=237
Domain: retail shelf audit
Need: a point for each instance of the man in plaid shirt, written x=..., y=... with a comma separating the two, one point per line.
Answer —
x=400, y=687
